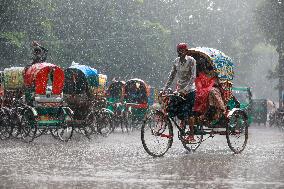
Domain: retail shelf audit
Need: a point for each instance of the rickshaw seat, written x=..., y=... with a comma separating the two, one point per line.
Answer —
x=51, y=98
x=138, y=106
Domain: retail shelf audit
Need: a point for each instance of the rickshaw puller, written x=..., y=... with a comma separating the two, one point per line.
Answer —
x=184, y=67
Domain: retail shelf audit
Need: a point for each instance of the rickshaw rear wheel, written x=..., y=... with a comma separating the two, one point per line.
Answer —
x=64, y=131
x=104, y=123
x=237, y=131
x=156, y=133
x=90, y=125
x=54, y=133
x=28, y=125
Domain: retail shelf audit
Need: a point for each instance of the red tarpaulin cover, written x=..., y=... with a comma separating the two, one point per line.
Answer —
x=203, y=85
x=37, y=76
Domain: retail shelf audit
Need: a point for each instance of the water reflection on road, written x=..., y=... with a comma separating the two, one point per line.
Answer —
x=119, y=161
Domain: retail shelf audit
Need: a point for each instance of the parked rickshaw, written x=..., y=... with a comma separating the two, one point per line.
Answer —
x=244, y=97
x=136, y=98
x=33, y=101
x=115, y=92
x=116, y=103
x=259, y=111
x=214, y=71
x=81, y=95
x=13, y=90
x=44, y=108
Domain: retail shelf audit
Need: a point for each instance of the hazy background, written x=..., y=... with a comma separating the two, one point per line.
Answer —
x=137, y=38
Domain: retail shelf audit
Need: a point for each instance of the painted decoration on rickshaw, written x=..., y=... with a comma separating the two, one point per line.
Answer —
x=13, y=78
x=102, y=83
x=38, y=76
x=80, y=79
x=223, y=64
x=153, y=95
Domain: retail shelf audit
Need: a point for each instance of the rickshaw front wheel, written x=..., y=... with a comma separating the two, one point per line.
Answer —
x=28, y=125
x=156, y=133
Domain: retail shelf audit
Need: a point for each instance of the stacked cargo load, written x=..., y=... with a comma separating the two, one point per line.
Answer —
x=13, y=78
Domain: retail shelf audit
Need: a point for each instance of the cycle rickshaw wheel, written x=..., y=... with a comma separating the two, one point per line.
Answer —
x=28, y=125
x=65, y=132
x=237, y=131
x=90, y=125
x=104, y=123
x=156, y=134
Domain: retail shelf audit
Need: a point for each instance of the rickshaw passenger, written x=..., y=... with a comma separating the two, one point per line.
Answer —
x=209, y=98
x=216, y=101
x=184, y=67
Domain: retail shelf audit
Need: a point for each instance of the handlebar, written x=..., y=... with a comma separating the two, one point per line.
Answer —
x=174, y=94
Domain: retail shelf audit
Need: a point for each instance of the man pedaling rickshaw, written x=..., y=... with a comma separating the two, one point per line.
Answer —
x=184, y=67
x=203, y=91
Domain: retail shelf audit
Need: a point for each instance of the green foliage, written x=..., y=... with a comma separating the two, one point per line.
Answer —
x=15, y=38
x=270, y=18
x=125, y=38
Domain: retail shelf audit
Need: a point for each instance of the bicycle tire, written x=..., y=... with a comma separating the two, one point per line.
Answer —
x=158, y=126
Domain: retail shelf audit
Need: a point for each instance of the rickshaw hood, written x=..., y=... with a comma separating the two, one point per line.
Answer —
x=37, y=76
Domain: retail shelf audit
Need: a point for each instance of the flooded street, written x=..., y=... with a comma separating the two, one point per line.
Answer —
x=119, y=161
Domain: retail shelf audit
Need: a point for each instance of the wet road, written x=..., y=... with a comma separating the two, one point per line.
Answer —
x=119, y=161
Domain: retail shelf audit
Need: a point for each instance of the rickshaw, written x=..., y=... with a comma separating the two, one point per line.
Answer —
x=259, y=111
x=13, y=87
x=81, y=95
x=115, y=92
x=214, y=72
x=244, y=97
x=136, y=98
x=44, y=108
x=116, y=104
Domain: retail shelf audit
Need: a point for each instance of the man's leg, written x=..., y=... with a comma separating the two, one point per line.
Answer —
x=190, y=117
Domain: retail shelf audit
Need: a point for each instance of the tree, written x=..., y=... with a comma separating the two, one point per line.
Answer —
x=270, y=17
